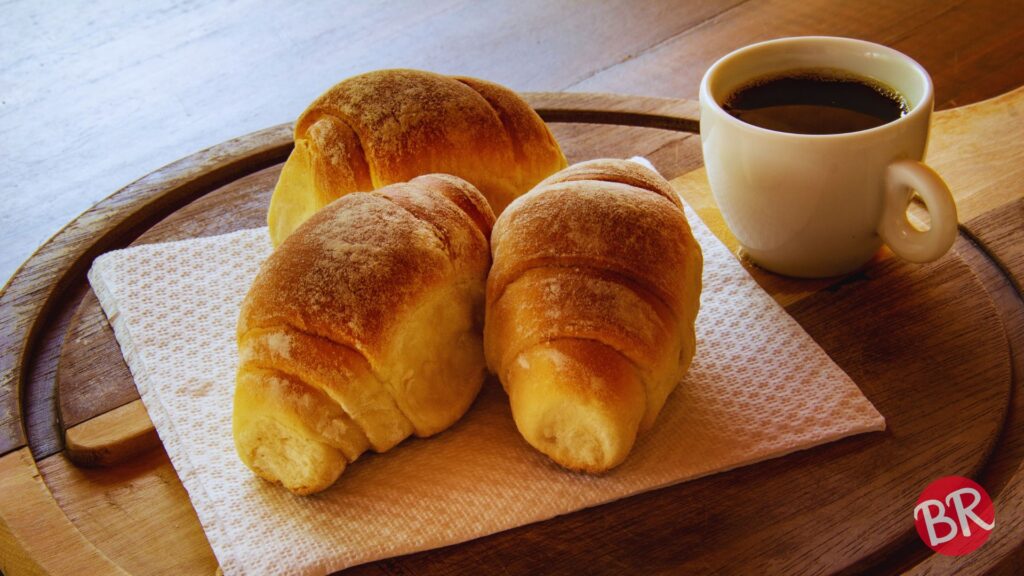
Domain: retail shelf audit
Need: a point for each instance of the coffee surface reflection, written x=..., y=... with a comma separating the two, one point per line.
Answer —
x=816, y=102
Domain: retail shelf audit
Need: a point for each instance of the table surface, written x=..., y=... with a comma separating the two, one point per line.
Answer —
x=97, y=94
x=123, y=90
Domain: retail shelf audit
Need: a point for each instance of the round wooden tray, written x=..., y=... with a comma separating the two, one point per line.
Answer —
x=85, y=487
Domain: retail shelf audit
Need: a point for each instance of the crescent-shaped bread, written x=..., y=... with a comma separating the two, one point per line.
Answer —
x=390, y=126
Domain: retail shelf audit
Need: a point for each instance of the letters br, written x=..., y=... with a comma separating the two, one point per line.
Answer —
x=954, y=515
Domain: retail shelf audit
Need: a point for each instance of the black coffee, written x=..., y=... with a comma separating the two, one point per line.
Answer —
x=816, y=102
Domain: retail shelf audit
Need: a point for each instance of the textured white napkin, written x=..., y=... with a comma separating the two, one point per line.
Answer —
x=759, y=387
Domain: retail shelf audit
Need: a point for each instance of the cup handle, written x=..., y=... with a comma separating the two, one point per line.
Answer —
x=902, y=179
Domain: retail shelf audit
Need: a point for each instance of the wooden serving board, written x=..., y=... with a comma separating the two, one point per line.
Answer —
x=939, y=350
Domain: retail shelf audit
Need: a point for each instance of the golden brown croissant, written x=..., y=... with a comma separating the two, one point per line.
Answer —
x=362, y=328
x=591, y=303
x=393, y=125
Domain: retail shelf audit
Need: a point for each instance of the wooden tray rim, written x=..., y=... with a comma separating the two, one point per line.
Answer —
x=65, y=257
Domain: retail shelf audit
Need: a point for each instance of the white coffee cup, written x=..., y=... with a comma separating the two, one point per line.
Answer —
x=821, y=205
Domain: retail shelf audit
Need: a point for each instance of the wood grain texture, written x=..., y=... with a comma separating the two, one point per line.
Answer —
x=112, y=437
x=985, y=135
x=92, y=335
x=39, y=300
x=35, y=536
x=612, y=109
x=756, y=516
x=89, y=388
x=144, y=494
x=971, y=48
x=144, y=85
x=963, y=415
x=1002, y=233
x=652, y=532
x=120, y=90
x=124, y=90
x=92, y=388
x=249, y=194
x=662, y=50
x=976, y=149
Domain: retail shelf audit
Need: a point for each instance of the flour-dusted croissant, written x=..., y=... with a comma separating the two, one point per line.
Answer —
x=591, y=303
x=362, y=328
x=393, y=125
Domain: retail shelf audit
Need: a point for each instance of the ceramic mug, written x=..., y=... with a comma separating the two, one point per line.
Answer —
x=821, y=205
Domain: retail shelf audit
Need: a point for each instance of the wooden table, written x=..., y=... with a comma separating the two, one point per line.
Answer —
x=98, y=94
x=974, y=51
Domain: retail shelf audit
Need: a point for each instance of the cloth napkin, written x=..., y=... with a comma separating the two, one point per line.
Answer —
x=759, y=387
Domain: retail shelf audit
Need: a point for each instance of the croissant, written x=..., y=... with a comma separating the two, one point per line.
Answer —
x=591, y=302
x=363, y=327
x=392, y=125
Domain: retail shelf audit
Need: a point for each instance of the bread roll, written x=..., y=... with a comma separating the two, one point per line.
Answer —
x=392, y=125
x=591, y=303
x=362, y=328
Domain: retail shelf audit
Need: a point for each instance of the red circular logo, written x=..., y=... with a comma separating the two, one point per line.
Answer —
x=954, y=515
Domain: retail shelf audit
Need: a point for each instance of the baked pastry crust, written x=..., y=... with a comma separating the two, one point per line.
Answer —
x=362, y=328
x=591, y=304
x=390, y=126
